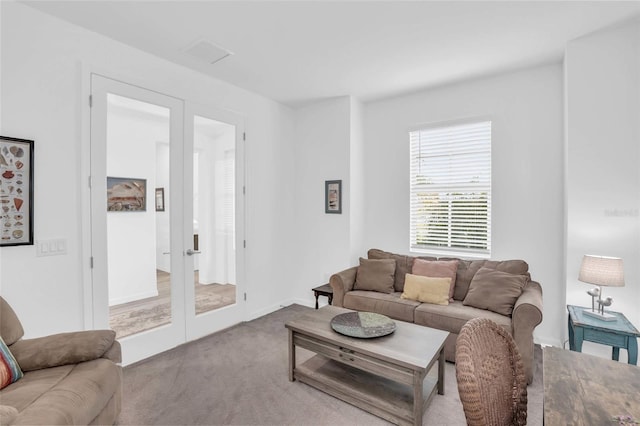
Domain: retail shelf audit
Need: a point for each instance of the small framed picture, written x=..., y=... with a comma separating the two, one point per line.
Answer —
x=126, y=194
x=333, y=196
x=16, y=191
x=159, y=199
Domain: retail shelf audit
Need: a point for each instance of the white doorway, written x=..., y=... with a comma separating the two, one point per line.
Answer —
x=165, y=218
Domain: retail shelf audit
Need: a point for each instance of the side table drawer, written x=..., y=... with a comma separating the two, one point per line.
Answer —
x=606, y=338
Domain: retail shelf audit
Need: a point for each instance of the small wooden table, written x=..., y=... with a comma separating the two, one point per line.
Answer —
x=617, y=334
x=391, y=377
x=582, y=389
x=323, y=290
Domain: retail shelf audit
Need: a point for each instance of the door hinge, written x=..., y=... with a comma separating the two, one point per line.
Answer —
x=89, y=181
x=244, y=243
x=90, y=101
x=245, y=297
x=244, y=136
x=91, y=262
x=244, y=190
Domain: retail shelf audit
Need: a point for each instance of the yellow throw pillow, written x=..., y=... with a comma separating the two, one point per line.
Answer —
x=427, y=289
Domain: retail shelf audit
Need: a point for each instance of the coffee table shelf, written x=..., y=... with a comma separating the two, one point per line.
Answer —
x=382, y=397
x=393, y=377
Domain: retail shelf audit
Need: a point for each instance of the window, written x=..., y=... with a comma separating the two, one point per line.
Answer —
x=451, y=188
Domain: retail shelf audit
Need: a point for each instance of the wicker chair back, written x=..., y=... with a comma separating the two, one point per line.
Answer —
x=490, y=375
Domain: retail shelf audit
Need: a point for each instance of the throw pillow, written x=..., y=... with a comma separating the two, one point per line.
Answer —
x=495, y=290
x=9, y=369
x=375, y=275
x=437, y=268
x=434, y=290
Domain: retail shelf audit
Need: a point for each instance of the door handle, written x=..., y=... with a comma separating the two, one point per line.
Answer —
x=191, y=252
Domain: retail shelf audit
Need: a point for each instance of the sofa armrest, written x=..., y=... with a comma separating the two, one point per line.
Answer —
x=527, y=314
x=341, y=283
x=114, y=353
x=65, y=348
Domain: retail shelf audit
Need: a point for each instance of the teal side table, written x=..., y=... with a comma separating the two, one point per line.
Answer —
x=617, y=334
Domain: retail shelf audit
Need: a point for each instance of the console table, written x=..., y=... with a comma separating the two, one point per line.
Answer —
x=617, y=334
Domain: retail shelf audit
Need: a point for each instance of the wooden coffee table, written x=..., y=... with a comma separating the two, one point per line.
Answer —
x=386, y=376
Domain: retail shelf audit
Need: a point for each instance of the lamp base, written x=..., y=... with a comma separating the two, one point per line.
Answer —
x=603, y=317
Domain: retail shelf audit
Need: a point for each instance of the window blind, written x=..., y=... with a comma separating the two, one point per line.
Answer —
x=450, y=188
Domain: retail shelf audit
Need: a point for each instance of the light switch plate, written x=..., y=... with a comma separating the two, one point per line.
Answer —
x=55, y=247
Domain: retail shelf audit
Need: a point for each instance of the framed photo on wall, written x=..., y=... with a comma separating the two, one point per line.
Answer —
x=126, y=194
x=16, y=191
x=159, y=199
x=333, y=196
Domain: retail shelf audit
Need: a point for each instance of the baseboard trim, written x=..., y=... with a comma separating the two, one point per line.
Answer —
x=133, y=298
x=282, y=304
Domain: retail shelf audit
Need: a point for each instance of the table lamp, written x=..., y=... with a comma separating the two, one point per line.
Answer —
x=601, y=271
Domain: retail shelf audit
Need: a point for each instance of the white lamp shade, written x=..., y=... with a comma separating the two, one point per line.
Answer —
x=600, y=270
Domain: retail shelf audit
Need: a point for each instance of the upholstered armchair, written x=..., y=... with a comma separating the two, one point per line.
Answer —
x=67, y=378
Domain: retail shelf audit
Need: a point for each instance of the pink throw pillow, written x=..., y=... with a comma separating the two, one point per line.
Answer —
x=437, y=269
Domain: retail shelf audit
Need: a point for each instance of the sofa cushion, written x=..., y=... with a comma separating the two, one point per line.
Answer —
x=495, y=290
x=7, y=414
x=437, y=268
x=375, y=275
x=468, y=268
x=404, y=264
x=391, y=305
x=9, y=369
x=451, y=318
x=70, y=394
x=427, y=289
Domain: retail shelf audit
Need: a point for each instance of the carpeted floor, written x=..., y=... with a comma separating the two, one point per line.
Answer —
x=239, y=377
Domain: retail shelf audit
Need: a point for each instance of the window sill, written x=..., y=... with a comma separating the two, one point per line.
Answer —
x=449, y=253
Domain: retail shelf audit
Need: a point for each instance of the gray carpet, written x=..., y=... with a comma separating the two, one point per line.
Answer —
x=239, y=377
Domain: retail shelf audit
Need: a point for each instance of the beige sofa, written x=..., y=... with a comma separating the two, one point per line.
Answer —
x=69, y=378
x=525, y=316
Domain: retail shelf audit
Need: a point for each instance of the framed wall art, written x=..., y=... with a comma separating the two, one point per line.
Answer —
x=159, y=199
x=126, y=194
x=333, y=196
x=16, y=191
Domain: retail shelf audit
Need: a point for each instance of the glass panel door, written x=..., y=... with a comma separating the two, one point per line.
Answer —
x=214, y=147
x=138, y=236
x=136, y=157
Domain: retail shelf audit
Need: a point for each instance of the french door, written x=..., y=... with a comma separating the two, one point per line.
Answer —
x=167, y=218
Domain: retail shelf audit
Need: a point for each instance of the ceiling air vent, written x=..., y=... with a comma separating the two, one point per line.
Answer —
x=207, y=51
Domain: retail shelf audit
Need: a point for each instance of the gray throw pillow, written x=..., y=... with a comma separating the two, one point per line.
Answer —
x=495, y=291
x=375, y=275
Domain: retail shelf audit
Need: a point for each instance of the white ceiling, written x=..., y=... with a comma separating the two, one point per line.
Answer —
x=299, y=51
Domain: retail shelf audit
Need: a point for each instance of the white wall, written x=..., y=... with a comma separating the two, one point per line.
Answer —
x=527, y=171
x=41, y=100
x=323, y=133
x=602, y=73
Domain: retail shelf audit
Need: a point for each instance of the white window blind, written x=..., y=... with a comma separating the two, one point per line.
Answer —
x=451, y=188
